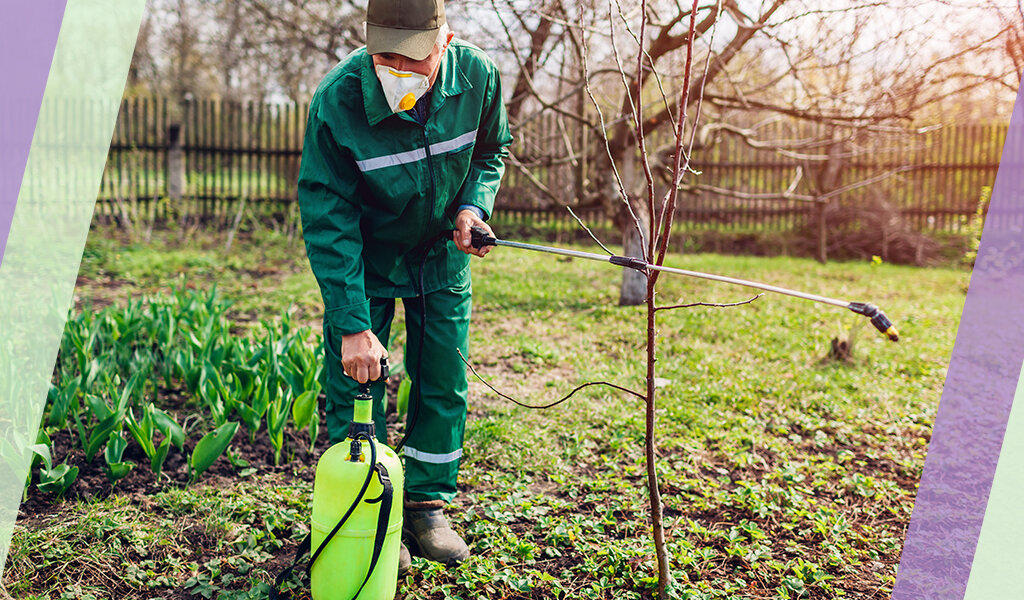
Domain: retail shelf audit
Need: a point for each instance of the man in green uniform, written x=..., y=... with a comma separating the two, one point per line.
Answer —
x=404, y=142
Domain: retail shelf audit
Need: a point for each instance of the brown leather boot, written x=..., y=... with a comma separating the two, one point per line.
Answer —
x=404, y=561
x=426, y=527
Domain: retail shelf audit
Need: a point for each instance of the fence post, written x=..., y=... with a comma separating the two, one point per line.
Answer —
x=175, y=163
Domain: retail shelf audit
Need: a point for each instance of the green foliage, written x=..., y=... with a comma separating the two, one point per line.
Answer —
x=184, y=341
x=975, y=225
x=402, y=400
x=150, y=550
x=57, y=480
x=52, y=480
x=115, y=469
x=781, y=477
x=155, y=420
x=210, y=447
x=60, y=401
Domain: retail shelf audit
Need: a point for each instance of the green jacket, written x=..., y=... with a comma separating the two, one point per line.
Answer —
x=375, y=185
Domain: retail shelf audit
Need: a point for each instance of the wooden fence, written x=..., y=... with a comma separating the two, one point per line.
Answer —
x=201, y=158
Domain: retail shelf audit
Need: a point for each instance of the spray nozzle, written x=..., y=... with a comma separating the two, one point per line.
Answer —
x=878, y=318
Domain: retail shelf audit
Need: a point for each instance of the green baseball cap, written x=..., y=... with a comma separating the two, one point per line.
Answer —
x=406, y=27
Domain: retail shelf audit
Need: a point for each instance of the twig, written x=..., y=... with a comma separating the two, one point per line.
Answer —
x=554, y=105
x=533, y=178
x=869, y=181
x=664, y=227
x=665, y=220
x=556, y=402
x=700, y=97
x=551, y=196
x=678, y=167
x=788, y=194
x=587, y=229
x=604, y=136
x=568, y=143
x=710, y=304
x=650, y=61
x=641, y=142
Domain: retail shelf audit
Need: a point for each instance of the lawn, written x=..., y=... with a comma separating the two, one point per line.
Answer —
x=783, y=475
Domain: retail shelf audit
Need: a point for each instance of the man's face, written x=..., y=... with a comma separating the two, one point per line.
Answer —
x=427, y=66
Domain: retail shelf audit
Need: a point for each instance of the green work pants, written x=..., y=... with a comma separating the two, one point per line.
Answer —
x=434, y=448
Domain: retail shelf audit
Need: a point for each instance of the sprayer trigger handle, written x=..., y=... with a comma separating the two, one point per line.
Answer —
x=481, y=237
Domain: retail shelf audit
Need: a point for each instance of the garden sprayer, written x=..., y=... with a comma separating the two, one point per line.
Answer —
x=881, y=322
x=356, y=521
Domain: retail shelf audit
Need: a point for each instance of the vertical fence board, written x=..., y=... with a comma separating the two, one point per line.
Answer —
x=236, y=150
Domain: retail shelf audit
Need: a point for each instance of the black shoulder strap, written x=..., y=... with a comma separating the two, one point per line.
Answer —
x=383, y=516
x=284, y=575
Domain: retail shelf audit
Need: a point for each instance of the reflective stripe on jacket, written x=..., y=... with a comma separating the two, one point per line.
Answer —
x=375, y=185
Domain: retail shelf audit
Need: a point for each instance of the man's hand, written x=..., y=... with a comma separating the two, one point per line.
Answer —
x=462, y=236
x=360, y=356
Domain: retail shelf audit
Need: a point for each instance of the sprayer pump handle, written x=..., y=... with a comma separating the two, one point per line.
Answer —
x=364, y=388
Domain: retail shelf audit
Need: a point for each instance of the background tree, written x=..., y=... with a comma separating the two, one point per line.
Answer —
x=818, y=82
x=234, y=50
x=843, y=69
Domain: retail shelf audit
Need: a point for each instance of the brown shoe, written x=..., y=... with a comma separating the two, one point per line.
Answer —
x=427, y=528
x=404, y=561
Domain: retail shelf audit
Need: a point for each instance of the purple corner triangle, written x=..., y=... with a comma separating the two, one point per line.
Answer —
x=975, y=406
x=28, y=38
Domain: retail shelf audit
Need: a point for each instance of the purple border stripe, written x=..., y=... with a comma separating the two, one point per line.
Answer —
x=28, y=38
x=976, y=400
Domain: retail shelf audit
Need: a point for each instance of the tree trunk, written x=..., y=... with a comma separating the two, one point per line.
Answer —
x=651, y=451
x=819, y=211
x=634, y=283
x=175, y=164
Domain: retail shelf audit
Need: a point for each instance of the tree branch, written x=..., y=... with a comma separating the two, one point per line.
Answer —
x=710, y=304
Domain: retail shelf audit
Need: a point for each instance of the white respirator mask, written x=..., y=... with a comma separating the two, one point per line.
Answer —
x=401, y=88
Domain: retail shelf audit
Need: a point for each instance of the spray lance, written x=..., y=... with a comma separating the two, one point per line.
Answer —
x=481, y=238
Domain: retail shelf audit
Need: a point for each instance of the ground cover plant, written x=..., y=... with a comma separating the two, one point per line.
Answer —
x=784, y=475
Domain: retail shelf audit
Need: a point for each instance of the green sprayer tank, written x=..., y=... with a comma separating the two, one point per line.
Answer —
x=342, y=565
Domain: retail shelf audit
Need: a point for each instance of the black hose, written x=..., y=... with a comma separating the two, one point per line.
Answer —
x=414, y=410
x=359, y=497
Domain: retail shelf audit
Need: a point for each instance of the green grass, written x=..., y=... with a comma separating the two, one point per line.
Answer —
x=263, y=274
x=782, y=476
x=202, y=539
x=224, y=181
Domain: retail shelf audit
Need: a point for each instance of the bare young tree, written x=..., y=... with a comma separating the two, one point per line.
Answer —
x=652, y=214
x=763, y=67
